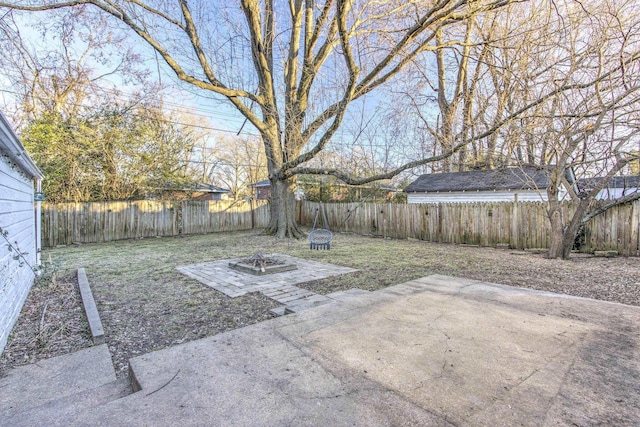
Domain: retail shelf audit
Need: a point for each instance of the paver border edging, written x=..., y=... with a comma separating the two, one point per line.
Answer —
x=90, y=308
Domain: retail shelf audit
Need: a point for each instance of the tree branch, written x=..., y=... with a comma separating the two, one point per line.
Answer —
x=351, y=180
x=354, y=71
x=613, y=203
x=213, y=85
x=442, y=14
x=312, y=64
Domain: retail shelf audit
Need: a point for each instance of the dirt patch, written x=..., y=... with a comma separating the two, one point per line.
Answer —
x=146, y=304
x=52, y=322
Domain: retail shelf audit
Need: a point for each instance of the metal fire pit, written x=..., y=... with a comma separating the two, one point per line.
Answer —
x=261, y=264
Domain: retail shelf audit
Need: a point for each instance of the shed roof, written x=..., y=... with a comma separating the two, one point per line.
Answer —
x=263, y=183
x=524, y=178
x=207, y=188
x=630, y=181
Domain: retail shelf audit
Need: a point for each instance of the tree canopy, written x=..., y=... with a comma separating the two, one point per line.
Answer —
x=291, y=69
x=114, y=154
x=455, y=84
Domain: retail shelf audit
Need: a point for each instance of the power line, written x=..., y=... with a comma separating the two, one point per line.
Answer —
x=214, y=113
x=129, y=97
x=164, y=120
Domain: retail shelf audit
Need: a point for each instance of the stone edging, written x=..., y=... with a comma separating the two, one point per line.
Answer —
x=90, y=308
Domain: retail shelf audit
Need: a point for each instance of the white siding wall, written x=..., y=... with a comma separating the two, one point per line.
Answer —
x=615, y=193
x=477, y=196
x=18, y=219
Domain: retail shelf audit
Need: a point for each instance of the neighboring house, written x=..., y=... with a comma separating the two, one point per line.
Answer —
x=210, y=192
x=262, y=190
x=20, y=223
x=334, y=191
x=330, y=189
x=196, y=192
x=500, y=185
x=617, y=187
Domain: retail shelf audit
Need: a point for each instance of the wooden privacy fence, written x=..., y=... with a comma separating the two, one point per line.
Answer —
x=66, y=223
x=215, y=217
x=521, y=225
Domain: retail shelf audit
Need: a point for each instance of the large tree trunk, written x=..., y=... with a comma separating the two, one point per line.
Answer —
x=556, y=249
x=283, y=210
x=563, y=237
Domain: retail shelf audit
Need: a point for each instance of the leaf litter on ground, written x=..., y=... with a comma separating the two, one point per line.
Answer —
x=146, y=304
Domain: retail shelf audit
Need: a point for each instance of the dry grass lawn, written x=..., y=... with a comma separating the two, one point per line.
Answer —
x=146, y=304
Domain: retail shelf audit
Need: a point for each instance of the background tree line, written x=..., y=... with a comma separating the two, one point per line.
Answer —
x=97, y=124
x=109, y=154
x=366, y=90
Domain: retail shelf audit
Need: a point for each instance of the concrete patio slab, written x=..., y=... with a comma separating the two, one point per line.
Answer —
x=437, y=351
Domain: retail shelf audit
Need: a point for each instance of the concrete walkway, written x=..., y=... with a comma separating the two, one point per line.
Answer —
x=437, y=351
x=51, y=390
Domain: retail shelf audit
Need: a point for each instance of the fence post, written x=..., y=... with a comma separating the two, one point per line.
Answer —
x=253, y=214
x=180, y=217
x=440, y=215
x=514, y=227
x=635, y=234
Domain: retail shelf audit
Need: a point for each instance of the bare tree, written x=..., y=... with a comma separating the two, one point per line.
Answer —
x=239, y=162
x=308, y=61
x=92, y=141
x=549, y=84
x=575, y=96
x=459, y=93
x=67, y=67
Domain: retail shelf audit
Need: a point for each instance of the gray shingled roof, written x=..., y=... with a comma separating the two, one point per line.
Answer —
x=631, y=181
x=263, y=183
x=526, y=178
x=207, y=188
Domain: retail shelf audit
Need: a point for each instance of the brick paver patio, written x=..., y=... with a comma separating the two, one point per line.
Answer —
x=278, y=286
